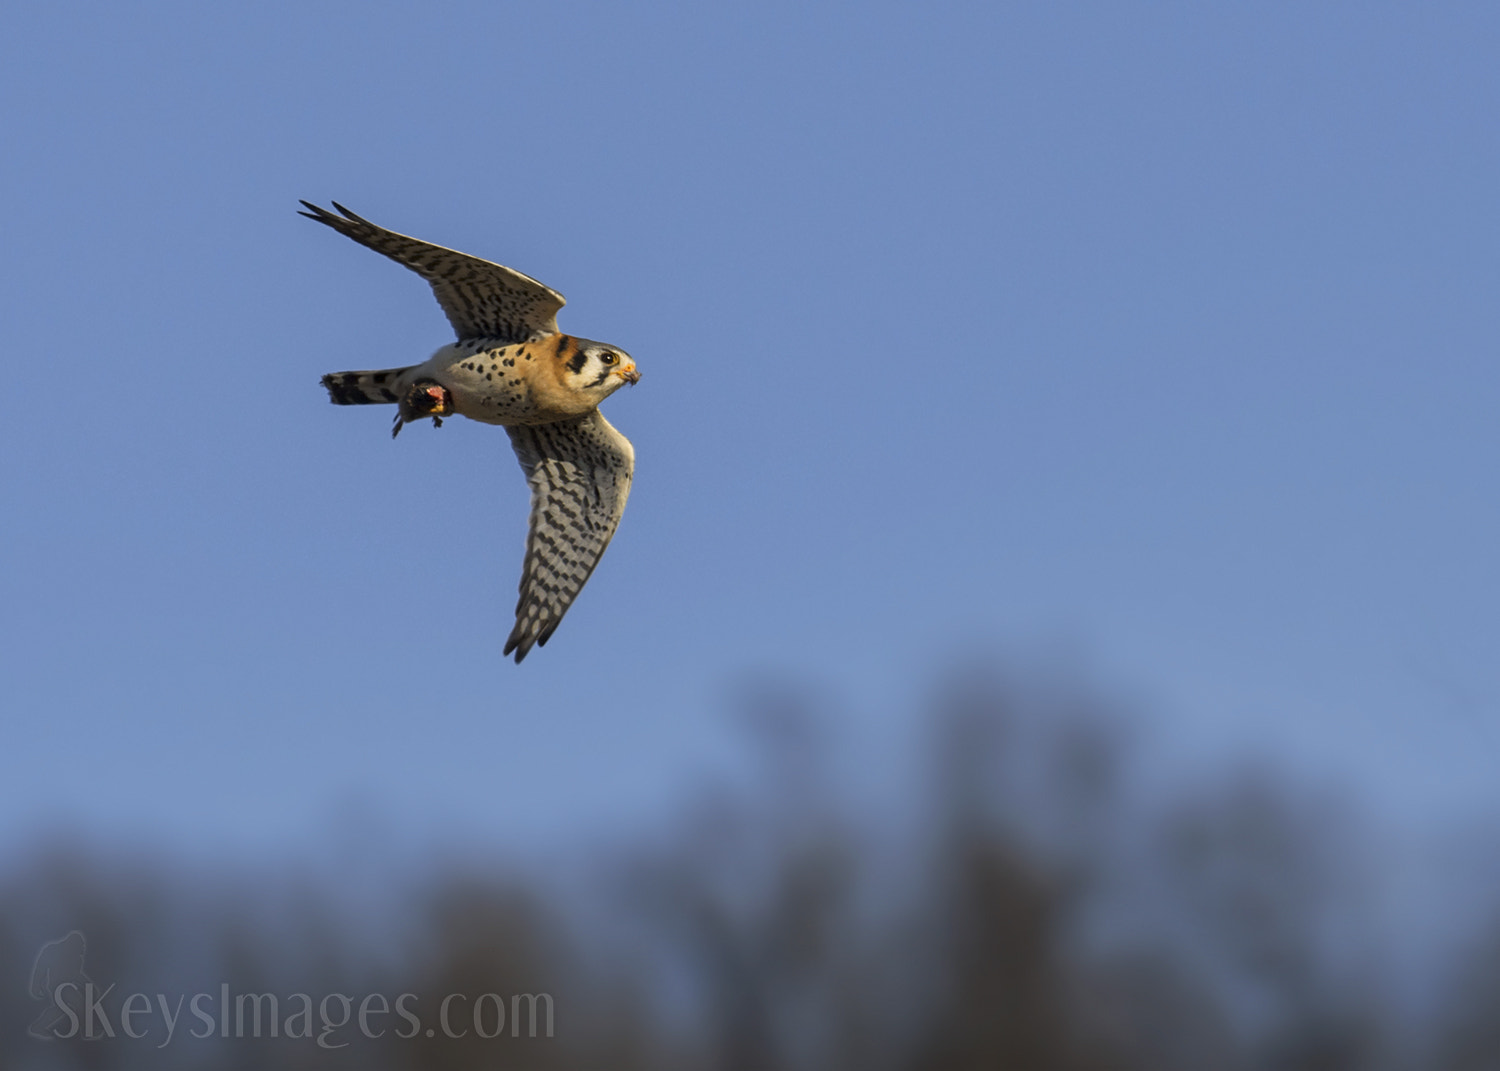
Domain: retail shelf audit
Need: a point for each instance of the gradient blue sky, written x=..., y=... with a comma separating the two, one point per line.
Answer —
x=1161, y=333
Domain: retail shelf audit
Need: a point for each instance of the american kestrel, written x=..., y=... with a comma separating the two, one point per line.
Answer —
x=512, y=367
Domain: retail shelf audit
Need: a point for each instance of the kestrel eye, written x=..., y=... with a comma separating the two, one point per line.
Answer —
x=609, y=358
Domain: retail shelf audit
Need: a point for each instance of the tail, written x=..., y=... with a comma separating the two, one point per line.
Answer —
x=364, y=388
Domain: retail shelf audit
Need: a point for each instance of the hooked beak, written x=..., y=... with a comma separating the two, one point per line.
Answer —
x=629, y=375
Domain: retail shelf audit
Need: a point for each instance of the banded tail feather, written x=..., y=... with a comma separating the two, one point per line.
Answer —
x=364, y=388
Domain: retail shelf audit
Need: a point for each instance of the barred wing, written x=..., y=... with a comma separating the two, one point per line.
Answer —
x=579, y=472
x=480, y=299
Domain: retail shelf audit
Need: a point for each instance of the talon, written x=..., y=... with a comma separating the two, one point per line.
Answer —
x=437, y=422
x=425, y=398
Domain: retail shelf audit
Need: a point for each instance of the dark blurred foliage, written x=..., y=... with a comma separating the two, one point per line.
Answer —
x=1034, y=907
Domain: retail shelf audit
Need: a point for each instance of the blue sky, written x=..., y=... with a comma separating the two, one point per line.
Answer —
x=1160, y=333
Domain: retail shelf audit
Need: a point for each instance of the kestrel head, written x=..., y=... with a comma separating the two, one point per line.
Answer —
x=596, y=370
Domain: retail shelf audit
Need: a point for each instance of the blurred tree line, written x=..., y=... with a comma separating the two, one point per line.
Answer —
x=1035, y=911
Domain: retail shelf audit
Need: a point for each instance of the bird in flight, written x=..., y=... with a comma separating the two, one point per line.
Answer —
x=511, y=366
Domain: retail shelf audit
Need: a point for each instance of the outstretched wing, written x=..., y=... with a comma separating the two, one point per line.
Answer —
x=480, y=299
x=579, y=472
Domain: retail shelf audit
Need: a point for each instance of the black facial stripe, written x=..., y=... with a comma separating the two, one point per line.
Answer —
x=578, y=360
